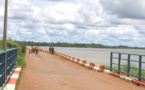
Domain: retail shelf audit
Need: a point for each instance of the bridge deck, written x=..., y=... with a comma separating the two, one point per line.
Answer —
x=51, y=72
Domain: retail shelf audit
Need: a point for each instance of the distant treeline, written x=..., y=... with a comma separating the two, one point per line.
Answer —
x=65, y=44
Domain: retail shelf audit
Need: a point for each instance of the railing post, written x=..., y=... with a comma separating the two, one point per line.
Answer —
x=111, y=60
x=128, y=65
x=140, y=65
x=5, y=72
x=119, y=60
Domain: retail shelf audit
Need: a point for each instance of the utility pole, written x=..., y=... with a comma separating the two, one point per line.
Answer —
x=5, y=37
x=5, y=26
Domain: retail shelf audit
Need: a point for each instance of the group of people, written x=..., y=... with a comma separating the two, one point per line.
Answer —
x=51, y=50
x=33, y=49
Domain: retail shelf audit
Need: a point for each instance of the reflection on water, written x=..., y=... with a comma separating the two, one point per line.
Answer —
x=96, y=55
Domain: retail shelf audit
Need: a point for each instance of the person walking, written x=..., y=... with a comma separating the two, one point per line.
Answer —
x=37, y=50
x=50, y=51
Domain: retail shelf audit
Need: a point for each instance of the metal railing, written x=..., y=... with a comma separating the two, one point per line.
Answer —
x=7, y=64
x=132, y=65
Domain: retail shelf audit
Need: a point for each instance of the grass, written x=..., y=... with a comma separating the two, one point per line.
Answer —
x=107, y=67
x=133, y=70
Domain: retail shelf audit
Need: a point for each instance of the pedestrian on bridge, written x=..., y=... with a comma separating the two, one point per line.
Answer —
x=52, y=50
x=36, y=50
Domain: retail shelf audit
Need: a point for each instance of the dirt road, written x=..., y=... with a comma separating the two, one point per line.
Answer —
x=51, y=72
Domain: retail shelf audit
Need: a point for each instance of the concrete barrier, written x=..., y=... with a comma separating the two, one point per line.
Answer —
x=11, y=85
x=90, y=65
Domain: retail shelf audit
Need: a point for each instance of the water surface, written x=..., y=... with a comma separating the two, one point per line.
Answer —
x=96, y=55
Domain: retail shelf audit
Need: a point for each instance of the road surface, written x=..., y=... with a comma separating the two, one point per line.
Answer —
x=51, y=72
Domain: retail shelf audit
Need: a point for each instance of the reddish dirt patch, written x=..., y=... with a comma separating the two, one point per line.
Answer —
x=51, y=72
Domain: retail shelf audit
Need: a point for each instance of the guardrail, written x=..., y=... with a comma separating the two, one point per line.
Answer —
x=132, y=65
x=7, y=64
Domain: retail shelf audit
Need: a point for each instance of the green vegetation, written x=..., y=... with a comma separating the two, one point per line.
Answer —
x=20, y=61
x=133, y=70
x=65, y=44
x=107, y=67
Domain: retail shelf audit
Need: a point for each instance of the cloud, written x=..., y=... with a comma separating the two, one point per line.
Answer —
x=123, y=35
x=133, y=9
x=62, y=12
x=84, y=21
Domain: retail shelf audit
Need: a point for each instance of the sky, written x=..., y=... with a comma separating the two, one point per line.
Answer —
x=107, y=22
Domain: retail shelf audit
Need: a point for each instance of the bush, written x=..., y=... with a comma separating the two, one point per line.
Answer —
x=0, y=44
x=20, y=61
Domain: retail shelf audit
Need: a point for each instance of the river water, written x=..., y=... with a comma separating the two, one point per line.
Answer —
x=96, y=55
